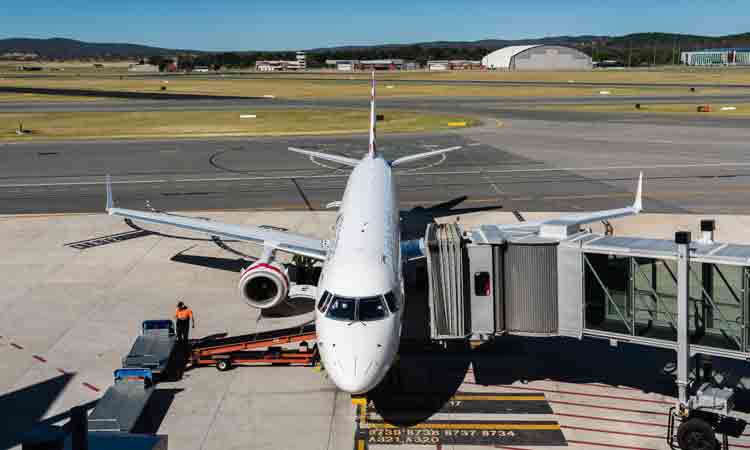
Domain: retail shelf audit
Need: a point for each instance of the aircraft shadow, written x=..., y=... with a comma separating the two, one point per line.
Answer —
x=24, y=408
x=211, y=262
x=510, y=359
x=426, y=376
x=156, y=410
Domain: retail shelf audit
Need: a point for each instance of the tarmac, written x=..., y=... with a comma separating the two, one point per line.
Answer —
x=521, y=164
x=71, y=311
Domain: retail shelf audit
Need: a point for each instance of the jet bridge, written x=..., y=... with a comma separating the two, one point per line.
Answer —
x=487, y=281
x=554, y=280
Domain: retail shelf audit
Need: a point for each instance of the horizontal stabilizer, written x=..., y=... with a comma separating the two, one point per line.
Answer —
x=325, y=156
x=418, y=156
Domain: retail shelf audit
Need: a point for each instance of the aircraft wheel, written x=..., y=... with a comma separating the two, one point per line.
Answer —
x=223, y=365
x=696, y=434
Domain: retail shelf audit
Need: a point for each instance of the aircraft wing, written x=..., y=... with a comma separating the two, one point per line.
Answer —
x=281, y=240
x=554, y=227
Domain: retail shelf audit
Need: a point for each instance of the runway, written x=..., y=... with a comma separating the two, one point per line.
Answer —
x=526, y=165
x=483, y=107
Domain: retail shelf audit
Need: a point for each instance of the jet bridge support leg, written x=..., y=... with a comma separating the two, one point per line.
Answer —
x=706, y=412
x=683, y=288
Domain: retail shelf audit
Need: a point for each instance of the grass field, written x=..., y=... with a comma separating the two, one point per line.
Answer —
x=675, y=74
x=85, y=125
x=13, y=97
x=304, y=89
x=742, y=109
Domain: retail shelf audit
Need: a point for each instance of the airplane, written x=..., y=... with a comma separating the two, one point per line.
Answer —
x=360, y=293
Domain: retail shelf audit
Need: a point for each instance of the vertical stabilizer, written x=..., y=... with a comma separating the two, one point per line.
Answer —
x=373, y=152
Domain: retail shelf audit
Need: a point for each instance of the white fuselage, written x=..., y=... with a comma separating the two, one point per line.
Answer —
x=358, y=338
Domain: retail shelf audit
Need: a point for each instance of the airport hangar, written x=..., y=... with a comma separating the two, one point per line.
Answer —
x=537, y=57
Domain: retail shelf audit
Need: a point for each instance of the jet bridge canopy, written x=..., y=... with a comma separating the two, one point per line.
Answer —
x=630, y=290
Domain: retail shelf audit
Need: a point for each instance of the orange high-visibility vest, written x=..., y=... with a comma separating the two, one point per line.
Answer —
x=184, y=314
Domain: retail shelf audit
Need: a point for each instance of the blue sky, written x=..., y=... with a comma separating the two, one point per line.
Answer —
x=293, y=24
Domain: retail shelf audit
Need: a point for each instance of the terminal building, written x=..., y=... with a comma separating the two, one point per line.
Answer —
x=717, y=57
x=537, y=57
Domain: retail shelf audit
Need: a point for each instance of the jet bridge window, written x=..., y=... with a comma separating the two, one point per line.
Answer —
x=482, y=285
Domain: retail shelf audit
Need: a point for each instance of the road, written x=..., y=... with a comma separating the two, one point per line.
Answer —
x=527, y=165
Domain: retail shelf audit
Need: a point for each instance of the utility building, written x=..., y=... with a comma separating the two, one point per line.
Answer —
x=717, y=57
x=537, y=57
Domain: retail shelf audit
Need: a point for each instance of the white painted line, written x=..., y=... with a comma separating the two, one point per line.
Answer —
x=248, y=116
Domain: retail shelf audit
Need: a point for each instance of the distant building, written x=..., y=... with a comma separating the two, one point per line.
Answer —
x=716, y=57
x=455, y=64
x=348, y=65
x=301, y=58
x=19, y=56
x=537, y=57
x=299, y=63
x=143, y=68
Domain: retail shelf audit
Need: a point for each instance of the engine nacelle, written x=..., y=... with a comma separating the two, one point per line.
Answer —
x=264, y=284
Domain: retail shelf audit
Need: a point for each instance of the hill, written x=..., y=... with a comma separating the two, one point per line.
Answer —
x=58, y=48
x=633, y=49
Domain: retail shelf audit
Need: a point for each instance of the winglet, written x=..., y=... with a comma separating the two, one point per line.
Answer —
x=638, y=203
x=110, y=202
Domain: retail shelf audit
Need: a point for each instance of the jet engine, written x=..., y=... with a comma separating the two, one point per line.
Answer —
x=264, y=284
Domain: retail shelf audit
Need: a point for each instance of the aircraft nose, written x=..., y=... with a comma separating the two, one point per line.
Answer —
x=355, y=370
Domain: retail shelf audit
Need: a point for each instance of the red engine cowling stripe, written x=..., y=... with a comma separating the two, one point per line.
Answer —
x=266, y=266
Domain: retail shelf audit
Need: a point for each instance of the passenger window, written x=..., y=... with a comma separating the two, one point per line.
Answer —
x=371, y=308
x=482, y=284
x=390, y=298
x=341, y=309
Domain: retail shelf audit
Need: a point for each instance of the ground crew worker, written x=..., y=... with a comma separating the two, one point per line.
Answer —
x=183, y=315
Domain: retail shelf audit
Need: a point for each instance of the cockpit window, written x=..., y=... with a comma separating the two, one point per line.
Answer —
x=371, y=308
x=342, y=309
x=390, y=298
x=323, y=300
x=354, y=309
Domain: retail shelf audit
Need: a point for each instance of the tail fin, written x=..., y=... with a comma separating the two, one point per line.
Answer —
x=373, y=152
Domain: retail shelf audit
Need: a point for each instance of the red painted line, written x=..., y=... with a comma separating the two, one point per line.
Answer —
x=39, y=358
x=614, y=397
x=624, y=433
x=599, y=444
x=594, y=385
x=16, y=345
x=503, y=447
x=91, y=386
x=608, y=419
x=739, y=445
x=612, y=408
